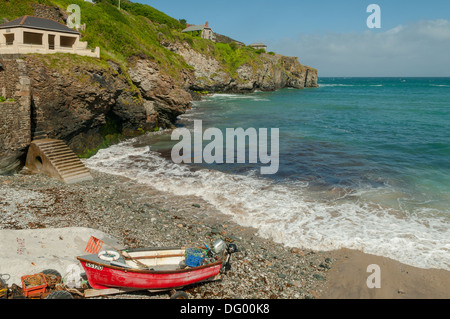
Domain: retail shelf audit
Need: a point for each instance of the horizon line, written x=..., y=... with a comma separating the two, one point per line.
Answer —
x=399, y=76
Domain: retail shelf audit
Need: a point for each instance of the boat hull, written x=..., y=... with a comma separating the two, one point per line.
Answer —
x=104, y=276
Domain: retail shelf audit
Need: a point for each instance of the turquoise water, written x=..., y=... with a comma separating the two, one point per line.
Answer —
x=364, y=164
x=352, y=133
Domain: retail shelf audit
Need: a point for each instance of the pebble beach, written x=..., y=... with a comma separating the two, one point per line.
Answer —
x=143, y=217
x=140, y=216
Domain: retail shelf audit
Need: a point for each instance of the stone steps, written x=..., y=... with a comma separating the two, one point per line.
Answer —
x=56, y=159
x=39, y=135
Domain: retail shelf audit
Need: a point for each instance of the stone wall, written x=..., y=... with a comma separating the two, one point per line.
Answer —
x=15, y=114
x=8, y=75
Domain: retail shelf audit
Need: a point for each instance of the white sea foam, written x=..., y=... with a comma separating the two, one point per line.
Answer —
x=231, y=96
x=253, y=97
x=290, y=214
x=346, y=85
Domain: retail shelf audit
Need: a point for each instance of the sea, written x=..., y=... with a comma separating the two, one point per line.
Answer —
x=364, y=163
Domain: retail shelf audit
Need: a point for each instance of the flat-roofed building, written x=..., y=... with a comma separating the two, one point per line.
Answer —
x=30, y=34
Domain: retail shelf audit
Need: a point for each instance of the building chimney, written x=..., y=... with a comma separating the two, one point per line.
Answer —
x=207, y=24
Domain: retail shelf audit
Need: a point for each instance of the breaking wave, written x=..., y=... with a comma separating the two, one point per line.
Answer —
x=292, y=213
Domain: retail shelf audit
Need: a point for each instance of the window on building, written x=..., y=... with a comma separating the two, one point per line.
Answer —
x=32, y=38
x=51, y=41
x=9, y=39
x=67, y=42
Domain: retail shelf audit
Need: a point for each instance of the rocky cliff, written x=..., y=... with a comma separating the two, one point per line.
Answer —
x=267, y=73
x=90, y=103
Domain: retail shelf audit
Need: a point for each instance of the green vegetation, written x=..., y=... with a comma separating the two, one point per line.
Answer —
x=64, y=61
x=108, y=141
x=109, y=137
x=152, y=14
x=137, y=29
x=202, y=92
x=230, y=55
x=12, y=9
x=3, y=99
x=122, y=34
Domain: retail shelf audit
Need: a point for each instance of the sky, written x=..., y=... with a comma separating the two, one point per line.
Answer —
x=333, y=36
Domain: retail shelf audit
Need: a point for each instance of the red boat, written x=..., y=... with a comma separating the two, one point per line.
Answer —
x=150, y=269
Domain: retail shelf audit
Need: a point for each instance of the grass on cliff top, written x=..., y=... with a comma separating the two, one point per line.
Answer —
x=121, y=34
x=230, y=55
x=12, y=9
x=138, y=29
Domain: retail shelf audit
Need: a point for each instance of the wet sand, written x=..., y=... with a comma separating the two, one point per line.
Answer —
x=348, y=279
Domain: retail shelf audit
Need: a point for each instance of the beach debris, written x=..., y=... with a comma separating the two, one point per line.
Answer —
x=3, y=288
x=43, y=285
x=34, y=286
x=94, y=245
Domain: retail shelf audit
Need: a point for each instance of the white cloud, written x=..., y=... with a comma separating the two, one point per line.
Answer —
x=417, y=49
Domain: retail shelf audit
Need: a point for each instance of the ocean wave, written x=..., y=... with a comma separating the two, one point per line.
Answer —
x=221, y=96
x=335, y=85
x=231, y=96
x=349, y=85
x=291, y=214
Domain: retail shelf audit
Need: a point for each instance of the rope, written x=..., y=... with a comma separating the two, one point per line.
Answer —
x=34, y=280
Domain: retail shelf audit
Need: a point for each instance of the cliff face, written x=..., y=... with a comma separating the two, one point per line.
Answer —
x=83, y=104
x=90, y=103
x=269, y=73
x=84, y=101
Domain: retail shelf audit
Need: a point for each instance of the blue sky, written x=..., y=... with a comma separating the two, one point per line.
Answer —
x=332, y=36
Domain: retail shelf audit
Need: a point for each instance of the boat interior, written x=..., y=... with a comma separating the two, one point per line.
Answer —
x=169, y=259
x=158, y=260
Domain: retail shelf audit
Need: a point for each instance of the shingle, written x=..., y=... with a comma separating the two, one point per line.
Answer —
x=38, y=23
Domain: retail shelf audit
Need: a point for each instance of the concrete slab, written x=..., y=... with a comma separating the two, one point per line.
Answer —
x=29, y=251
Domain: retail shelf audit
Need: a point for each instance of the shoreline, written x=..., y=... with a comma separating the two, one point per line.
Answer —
x=140, y=216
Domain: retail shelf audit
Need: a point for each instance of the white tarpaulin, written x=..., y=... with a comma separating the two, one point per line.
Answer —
x=29, y=251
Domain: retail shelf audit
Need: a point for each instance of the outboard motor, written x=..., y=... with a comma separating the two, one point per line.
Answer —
x=220, y=248
x=231, y=249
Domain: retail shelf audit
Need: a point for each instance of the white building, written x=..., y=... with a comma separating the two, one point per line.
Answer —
x=258, y=46
x=205, y=31
x=30, y=34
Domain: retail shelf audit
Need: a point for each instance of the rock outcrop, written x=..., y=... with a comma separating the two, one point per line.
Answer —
x=82, y=103
x=85, y=101
x=89, y=103
x=272, y=72
x=164, y=98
